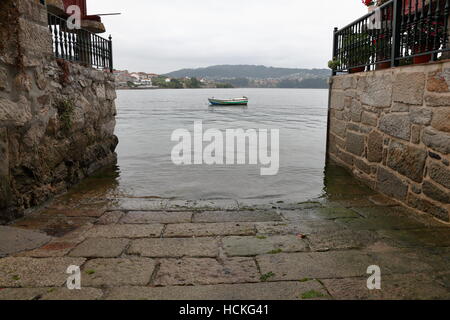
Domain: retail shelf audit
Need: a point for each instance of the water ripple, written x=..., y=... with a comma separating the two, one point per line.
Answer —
x=146, y=120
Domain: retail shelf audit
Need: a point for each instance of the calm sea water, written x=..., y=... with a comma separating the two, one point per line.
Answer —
x=147, y=118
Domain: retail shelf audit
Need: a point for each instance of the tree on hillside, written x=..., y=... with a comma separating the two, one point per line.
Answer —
x=194, y=83
x=175, y=84
x=220, y=85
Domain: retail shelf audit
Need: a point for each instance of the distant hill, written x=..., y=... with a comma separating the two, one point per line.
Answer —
x=249, y=71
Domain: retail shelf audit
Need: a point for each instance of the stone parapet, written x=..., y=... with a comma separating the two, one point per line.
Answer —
x=391, y=128
x=57, y=118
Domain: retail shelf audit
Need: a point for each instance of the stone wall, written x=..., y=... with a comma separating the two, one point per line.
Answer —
x=57, y=118
x=391, y=128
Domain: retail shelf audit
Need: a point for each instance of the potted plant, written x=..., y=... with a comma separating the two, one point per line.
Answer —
x=383, y=48
x=334, y=64
x=381, y=39
x=370, y=4
x=424, y=37
x=359, y=57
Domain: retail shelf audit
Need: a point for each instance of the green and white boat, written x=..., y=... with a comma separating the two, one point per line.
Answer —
x=229, y=102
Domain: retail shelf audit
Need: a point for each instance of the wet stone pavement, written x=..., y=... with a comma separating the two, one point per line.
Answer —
x=147, y=248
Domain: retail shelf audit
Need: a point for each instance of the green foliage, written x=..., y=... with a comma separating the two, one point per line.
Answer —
x=267, y=276
x=312, y=295
x=224, y=85
x=175, y=84
x=334, y=64
x=193, y=83
x=426, y=37
x=363, y=49
x=239, y=82
x=159, y=81
x=66, y=110
x=172, y=84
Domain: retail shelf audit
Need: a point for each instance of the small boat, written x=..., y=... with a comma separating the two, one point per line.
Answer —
x=229, y=102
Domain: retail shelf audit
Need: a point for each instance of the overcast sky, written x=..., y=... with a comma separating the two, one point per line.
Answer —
x=166, y=35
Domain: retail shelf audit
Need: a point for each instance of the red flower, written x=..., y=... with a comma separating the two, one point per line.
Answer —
x=368, y=2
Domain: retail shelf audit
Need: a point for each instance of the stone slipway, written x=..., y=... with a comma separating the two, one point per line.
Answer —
x=142, y=249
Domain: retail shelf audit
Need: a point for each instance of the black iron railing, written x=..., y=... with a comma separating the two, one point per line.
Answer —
x=398, y=32
x=80, y=45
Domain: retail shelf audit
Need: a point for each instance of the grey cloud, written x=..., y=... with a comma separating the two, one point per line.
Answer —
x=164, y=35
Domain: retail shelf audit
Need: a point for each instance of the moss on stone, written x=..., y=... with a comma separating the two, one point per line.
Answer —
x=267, y=276
x=312, y=294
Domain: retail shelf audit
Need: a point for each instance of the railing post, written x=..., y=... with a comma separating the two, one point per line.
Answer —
x=396, y=28
x=111, y=67
x=334, y=48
